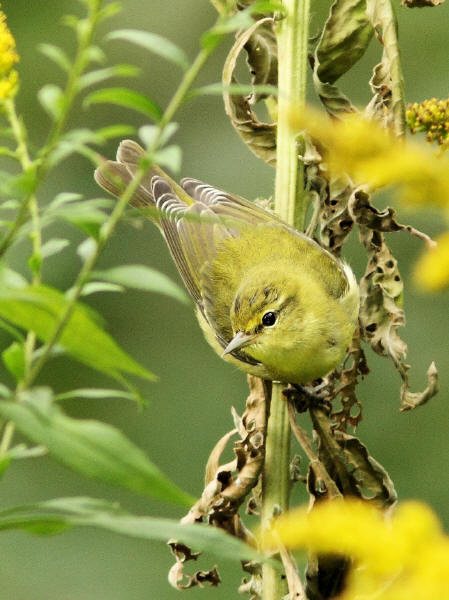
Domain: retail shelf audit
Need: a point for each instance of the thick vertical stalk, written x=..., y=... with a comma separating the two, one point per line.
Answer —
x=290, y=204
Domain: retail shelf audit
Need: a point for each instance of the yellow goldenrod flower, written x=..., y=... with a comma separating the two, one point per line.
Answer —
x=432, y=269
x=8, y=58
x=395, y=557
x=371, y=155
x=432, y=117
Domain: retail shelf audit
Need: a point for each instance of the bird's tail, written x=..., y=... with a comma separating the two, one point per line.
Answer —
x=115, y=176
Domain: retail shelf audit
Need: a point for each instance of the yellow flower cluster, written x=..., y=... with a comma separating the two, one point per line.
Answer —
x=372, y=156
x=432, y=117
x=8, y=58
x=395, y=558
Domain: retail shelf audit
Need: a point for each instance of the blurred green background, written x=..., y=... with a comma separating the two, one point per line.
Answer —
x=189, y=409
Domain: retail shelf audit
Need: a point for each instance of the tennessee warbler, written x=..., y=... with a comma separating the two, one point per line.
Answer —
x=269, y=299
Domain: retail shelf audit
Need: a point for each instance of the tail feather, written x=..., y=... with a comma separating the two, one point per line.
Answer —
x=129, y=152
x=115, y=177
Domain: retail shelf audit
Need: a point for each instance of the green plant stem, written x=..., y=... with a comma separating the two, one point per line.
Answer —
x=110, y=225
x=85, y=38
x=40, y=164
x=36, y=238
x=291, y=205
x=7, y=436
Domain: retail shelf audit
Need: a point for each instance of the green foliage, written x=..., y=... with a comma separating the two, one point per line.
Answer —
x=42, y=322
x=92, y=448
x=54, y=516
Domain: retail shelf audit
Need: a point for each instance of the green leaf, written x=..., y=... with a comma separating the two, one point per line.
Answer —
x=10, y=278
x=57, y=55
x=53, y=246
x=21, y=451
x=95, y=54
x=110, y=10
x=154, y=43
x=100, y=75
x=149, y=133
x=85, y=215
x=95, y=393
x=51, y=98
x=90, y=447
x=170, y=157
x=63, y=198
x=86, y=249
x=58, y=514
x=14, y=359
x=127, y=98
x=142, y=278
x=38, y=309
x=94, y=287
x=115, y=131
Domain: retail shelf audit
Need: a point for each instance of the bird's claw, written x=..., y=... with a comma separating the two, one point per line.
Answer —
x=303, y=398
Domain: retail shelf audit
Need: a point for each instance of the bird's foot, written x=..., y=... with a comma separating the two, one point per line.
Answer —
x=304, y=398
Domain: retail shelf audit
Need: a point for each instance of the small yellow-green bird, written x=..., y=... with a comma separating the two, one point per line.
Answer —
x=269, y=299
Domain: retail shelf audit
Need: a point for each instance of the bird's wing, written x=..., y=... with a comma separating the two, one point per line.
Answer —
x=228, y=206
x=193, y=233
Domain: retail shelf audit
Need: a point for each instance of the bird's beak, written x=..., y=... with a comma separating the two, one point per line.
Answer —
x=240, y=340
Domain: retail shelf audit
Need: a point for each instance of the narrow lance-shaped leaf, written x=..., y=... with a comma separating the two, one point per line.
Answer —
x=56, y=515
x=100, y=75
x=154, y=43
x=127, y=98
x=57, y=55
x=38, y=309
x=142, y=278
x=90, y=447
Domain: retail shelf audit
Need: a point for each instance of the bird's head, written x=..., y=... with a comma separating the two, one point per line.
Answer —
x=266, y=315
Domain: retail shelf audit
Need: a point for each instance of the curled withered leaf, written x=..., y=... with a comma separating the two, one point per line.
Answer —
x=354, y=368
x=379, y=107
x=260, y=137
x=364, y=213
x=335, y=220
x=350, y=464
x=381, y=290
x=369, y=477
x=356, y=473
x=253, y=585
x=384, y=22
x=411, y=400
x=344, y=39
x=381, y=314
x=261, y=51
x=213, y=461
x=179, y=580
x=229, y=484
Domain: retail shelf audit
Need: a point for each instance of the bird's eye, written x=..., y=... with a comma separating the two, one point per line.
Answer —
x=269, y=319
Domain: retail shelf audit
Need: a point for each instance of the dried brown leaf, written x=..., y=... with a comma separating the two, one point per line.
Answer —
x=344, y=39
x=260, y=137
x=411, y=400
x=353, y=369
